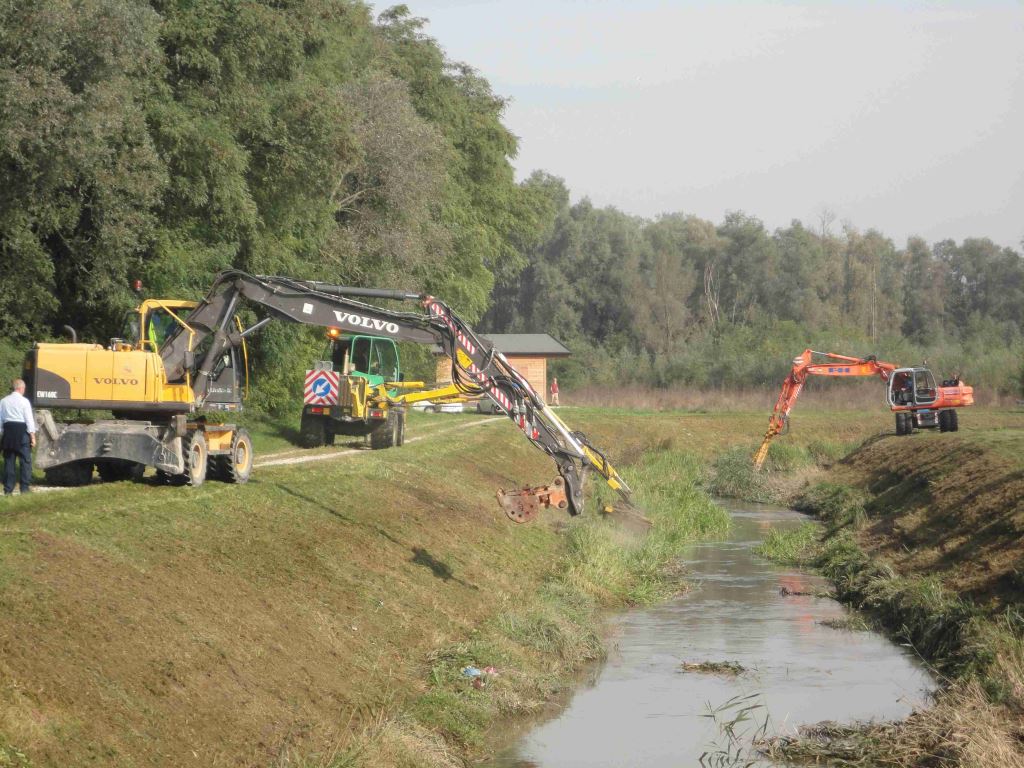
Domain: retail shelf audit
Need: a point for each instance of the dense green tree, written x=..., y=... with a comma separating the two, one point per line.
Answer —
x=924, y=292
x=80, y=174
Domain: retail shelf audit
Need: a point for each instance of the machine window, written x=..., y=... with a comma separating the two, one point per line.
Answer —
x=361, y=355
x=386, y=360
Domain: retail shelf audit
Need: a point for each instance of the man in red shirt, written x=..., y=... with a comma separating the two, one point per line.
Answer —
x=554, y=391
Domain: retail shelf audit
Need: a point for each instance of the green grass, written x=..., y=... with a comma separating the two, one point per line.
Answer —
x=733, y=476
x=799, y=546
x=838, y=505
x=12, y=757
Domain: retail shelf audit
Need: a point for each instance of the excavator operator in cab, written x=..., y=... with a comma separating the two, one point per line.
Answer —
x=903, y=386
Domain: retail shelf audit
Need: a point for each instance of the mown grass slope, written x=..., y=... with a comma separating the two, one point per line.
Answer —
x=949, y=506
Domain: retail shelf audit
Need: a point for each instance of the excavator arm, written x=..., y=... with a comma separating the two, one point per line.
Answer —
x=191, y=353
x=809, y=363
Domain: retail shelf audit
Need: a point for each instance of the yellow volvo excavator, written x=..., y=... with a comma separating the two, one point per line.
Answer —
x=179, y=358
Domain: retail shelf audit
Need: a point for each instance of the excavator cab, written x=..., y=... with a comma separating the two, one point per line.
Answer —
x=371, y=357
x=149, y=325
x=912, y=387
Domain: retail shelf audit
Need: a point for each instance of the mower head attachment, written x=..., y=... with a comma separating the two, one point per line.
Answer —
x=525, y=504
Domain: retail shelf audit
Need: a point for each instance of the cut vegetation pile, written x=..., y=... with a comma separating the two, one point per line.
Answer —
x=925, y=535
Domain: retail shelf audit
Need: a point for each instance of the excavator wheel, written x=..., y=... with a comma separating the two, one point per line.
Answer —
x=953, y=422
x=193, y=448
x=400, y=436
x=386, y=435
x=239, y=463
x=904, y=425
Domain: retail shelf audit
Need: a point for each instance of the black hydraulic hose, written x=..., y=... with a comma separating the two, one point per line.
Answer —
x=370, y=293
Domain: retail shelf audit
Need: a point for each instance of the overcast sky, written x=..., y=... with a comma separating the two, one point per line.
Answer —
x=907, y=117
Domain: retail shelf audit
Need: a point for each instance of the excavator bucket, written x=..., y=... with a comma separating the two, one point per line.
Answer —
x=523, y=505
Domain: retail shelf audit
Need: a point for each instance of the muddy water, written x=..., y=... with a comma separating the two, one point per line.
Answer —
x=641, y=710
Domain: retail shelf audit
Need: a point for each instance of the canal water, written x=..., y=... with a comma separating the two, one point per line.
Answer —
x=641, y=709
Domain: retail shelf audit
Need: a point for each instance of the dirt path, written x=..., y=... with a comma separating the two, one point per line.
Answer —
x=285, y=458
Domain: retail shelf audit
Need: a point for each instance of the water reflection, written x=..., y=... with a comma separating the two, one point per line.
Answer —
x=643, y=711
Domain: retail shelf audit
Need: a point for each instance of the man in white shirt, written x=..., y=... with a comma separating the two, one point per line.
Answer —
x=17, y=436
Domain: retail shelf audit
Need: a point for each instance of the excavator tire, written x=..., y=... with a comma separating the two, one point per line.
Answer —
x=953, y=422
x=386, y=435
x=193, y=448
x=117, y=470
x=904, y=425
x=238, y=466
x=400, y=438
x=312, y=431
x=943, y=421
x=69, y=475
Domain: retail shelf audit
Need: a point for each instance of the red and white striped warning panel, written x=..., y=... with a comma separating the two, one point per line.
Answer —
x=321, y=388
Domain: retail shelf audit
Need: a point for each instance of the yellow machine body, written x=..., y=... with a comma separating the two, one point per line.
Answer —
x=92, y=376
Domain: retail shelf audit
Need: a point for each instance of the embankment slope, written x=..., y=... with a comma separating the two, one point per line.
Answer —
x=947, y=506
x=144, y=625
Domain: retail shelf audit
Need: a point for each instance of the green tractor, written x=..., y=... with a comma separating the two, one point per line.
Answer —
x=353, y=392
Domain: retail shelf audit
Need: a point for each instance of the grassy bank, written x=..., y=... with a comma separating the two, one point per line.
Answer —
x=923, y=535
x=321, y=614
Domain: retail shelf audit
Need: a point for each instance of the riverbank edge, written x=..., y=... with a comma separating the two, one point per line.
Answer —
x=523, y=658
x=976, y=717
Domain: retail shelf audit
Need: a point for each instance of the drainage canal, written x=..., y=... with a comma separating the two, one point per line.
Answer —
x=652, y=701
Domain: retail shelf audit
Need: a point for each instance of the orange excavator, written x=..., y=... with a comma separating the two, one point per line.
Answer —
x=911, y=393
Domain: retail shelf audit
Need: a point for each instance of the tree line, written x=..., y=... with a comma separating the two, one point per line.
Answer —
x=166, y=141
x=682, y=300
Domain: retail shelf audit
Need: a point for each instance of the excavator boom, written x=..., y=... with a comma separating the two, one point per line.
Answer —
x=151, y=391
x=805, y=365
x=477, y=367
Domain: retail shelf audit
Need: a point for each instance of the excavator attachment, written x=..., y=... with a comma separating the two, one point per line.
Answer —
x=524, y=505
x=762, y=452
x=774, y=430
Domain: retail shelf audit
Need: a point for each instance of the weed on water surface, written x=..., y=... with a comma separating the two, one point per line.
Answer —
x=742, y=723
x=724, y=668
x=851, y=623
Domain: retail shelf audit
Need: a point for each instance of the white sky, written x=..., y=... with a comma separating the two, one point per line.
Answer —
x=904, y=116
